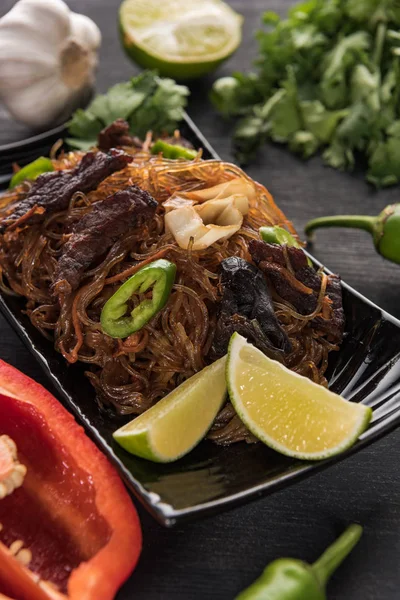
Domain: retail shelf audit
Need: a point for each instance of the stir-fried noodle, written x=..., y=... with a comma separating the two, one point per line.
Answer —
x=132, y=374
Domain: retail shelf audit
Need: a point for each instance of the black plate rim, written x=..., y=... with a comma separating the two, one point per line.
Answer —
x=164, y=513
x=38, y=138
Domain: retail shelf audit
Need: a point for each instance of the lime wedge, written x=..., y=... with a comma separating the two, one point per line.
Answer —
x=287, y=411
x=178, y=422
x=180, y=38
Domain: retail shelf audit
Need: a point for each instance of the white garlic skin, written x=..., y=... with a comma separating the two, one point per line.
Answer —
x=48, y=59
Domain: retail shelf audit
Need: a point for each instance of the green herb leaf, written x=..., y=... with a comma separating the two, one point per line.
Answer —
x=338, y=156
x=146, y=101
x=304, y=143
x=319, y=121
x=361, y=10
x=84, y=124
x=339, y=60
x=162, y=110
x=327, y=78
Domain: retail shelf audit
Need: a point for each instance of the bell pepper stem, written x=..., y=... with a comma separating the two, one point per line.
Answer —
x=327, y=564
x=353, y=221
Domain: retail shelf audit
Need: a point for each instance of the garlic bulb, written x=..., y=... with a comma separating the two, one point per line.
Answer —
x=48, y=56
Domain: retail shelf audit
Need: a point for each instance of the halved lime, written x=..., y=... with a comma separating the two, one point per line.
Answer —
x=178, y=422
x=287, y=411
x=180, y=38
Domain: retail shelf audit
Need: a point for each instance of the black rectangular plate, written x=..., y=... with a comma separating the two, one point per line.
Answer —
x=211, y=479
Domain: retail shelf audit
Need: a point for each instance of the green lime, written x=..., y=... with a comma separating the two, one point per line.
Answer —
x=178, y=422
x=288, y=412
x=180, y=38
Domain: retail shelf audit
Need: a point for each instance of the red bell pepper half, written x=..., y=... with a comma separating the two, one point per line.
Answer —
x=68, y=529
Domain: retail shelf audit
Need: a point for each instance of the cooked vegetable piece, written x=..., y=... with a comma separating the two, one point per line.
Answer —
x=116, y=135
x=385, y=229
x=278, y=235
x=246, y=307
x=52, y=192
x=72, y=511
x=158, y=276
x=96, y=232
x=292, y=579
x=301, y=286
x=234, y=187
x=32, y=171
x=173, y=151
x=281, y=236
x=202, y=225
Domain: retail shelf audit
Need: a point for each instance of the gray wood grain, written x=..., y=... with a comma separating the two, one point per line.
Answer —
x=217, y=557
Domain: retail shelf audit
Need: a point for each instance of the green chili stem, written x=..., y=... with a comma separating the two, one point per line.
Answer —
x=352, y=221
x=336, y=553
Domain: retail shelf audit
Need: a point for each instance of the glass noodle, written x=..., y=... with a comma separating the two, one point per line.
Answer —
x=130, y=375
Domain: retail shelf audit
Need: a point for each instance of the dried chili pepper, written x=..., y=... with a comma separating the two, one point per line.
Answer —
x=68, y=528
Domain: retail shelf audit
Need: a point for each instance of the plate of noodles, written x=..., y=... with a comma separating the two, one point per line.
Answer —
x=69, y=241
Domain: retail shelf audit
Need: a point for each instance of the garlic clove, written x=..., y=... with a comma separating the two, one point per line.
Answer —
x=21, y=71
x=52, y=104
x=83, y=28
x=39, y=16
x=31, y=48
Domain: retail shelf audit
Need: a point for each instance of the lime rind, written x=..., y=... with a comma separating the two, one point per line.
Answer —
x=179, y=40
x=157, y=434
x=238, y=342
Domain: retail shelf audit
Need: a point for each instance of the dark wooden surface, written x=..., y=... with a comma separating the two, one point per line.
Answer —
x=217, y=557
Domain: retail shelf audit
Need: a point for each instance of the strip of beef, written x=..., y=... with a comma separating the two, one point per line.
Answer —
x=302, y=287
x=246, y=307
x=52, y=192
x=117, y=134
x=97, y=231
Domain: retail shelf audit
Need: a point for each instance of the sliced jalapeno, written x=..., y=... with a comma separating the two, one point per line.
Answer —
x=159, y=275
x=173, y=151
x=279, y=235
x=32, y=171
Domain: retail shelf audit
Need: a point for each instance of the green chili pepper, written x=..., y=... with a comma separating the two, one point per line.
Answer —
x=160, y=275
x=32, y=171
x=279, y=235
x=172, y=150
x=385, y=229
x=291, y=579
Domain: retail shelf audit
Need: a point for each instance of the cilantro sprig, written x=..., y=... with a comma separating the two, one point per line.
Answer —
x=327, y=79
x=147, y=102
